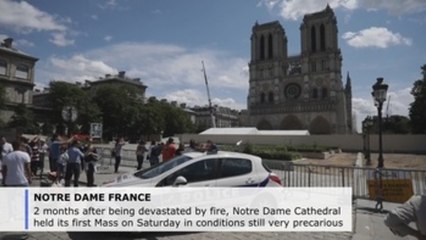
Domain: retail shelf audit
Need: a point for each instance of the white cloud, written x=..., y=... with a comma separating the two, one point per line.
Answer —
x=24, y=43
x=76, y=68
x=194, y=97
x=395, y=7
x=109, y=4
x=19, y=42
x=164, y=68
x=94, y=17
x=375, y=37
x=294, y=9
x=23, y=17
x=398, y=101
x=108, y=38
x=59, y=39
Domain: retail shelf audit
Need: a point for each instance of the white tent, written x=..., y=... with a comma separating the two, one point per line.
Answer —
x=253, y=131
x=230, y=131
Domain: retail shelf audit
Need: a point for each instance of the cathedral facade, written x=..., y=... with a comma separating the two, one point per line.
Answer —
x=303, y=91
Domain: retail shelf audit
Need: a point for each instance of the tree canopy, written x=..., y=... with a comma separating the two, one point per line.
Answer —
x=418, y=107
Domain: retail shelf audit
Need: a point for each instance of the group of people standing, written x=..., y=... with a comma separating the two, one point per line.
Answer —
x=154, y=152
x=68, y=157
x=168, y=150
x=21, y=160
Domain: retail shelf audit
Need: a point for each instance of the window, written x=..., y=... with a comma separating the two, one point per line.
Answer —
x=324, y=93
x=196, y=172
x=262, y=98
x=313, y=39
x=322, y=37
x=270, y=46
x=232, y=167
x=22, y=71
x=3, y=67
x=314, y=93
x=271, y=97
x=262, y=47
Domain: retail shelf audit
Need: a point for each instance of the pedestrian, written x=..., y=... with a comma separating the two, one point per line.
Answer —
x=35, y=156
x=169, y=150
x=413, y=210
x=211, y=147
x=43, y=150
x=54, y=151
x=119, y=143
x=16, y=167
x=154, y=153
x=180, y=149
x=140, y=153
x=26, y=142
x=74, y=164
x=16, y=172
x=61, y=163
x=90, y=159
x=5, y=148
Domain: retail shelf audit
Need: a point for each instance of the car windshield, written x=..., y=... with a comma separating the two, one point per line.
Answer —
x=162, y=167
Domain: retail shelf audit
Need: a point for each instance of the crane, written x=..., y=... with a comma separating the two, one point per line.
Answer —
x=387, y=108
x=208, y=95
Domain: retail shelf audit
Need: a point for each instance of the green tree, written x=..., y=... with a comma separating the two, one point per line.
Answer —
x=394, y=124
x=120, y=107
x=23, y=120
x=65, y=94
x=418, y=107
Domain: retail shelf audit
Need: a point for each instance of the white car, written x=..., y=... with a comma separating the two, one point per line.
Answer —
x=197, y=169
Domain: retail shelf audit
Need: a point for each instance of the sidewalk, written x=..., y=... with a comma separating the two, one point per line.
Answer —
x=369, y=224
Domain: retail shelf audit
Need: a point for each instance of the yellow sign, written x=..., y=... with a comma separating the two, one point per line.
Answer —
x=394, y=190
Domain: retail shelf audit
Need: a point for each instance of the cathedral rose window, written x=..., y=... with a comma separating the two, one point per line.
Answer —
x=292, y=91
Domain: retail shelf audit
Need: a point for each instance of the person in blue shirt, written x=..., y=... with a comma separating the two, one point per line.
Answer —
x=75, y=157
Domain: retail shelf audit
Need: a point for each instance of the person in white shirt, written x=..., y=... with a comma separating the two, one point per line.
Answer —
x=16, y=167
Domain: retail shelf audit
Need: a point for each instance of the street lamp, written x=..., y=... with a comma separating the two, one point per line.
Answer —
x=379, y=94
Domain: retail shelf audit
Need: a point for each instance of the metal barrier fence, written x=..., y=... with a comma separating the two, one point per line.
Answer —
x=301, y=175
x=128, y=158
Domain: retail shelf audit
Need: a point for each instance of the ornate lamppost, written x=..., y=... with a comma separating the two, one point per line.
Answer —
x=379, y=94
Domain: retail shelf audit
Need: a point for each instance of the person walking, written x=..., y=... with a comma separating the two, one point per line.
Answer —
x=140, y=153
x=73, y=164
x=16, y=172
x=169, y=150
x=119, y=143
x=16, y=167
x=90, y=159
x=35, y=157
x=154, y=153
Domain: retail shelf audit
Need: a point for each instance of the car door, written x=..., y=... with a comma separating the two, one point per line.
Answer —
x=198, y=174
x=236, y=172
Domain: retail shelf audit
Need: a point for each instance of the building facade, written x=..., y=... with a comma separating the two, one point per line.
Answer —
x=224, y=117
x=303, y=91
x=16, y=77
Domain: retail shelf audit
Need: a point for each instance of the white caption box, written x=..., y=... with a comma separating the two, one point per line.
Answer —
x=176, y=209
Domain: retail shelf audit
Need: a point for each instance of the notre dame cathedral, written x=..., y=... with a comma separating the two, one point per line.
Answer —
x=303, y=91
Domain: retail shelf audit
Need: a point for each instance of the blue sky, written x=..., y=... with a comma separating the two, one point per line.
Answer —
x=163, y=43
